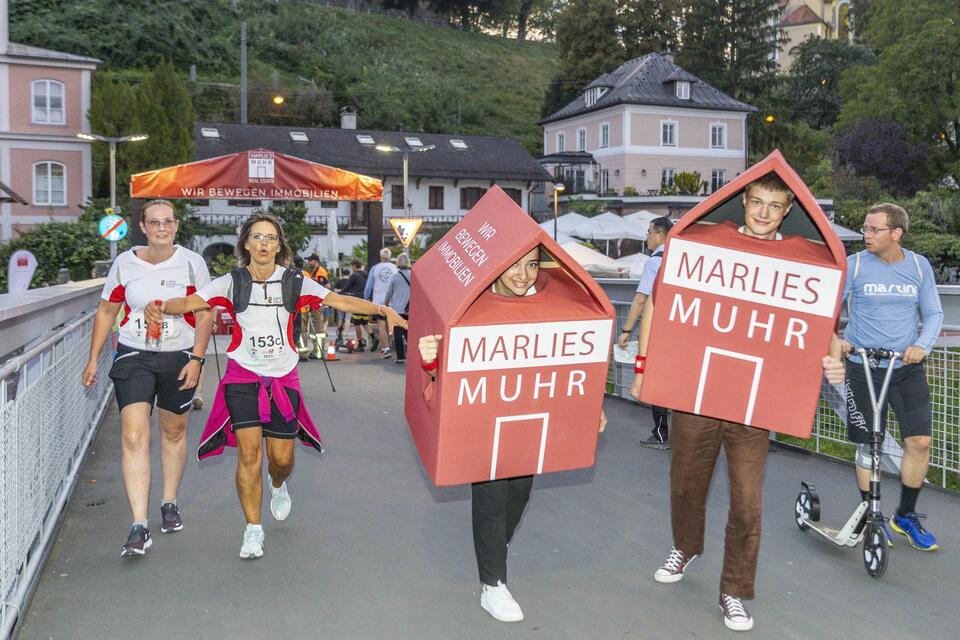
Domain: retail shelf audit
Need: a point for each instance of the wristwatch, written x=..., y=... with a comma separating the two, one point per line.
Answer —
x=199, y=359
x=627, y=331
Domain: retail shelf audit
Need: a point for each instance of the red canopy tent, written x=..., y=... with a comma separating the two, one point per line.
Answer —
x=257, y=174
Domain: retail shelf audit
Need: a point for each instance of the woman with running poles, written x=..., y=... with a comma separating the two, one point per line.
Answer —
x=259, y=397
x=157, y=364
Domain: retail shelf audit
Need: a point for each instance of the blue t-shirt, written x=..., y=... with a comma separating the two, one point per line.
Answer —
x=649, y=274
x=887, y=302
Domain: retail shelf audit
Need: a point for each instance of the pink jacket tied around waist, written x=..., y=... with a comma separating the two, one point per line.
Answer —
x=218, y=432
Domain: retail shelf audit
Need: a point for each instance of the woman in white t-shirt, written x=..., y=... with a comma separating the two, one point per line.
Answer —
x=259, y=396
x=142, y=374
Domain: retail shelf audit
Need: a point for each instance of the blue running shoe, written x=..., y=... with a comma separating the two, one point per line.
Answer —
x=909, y=526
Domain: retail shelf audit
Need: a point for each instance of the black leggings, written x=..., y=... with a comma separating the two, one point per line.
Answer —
x=497, y=508
x=400, y=340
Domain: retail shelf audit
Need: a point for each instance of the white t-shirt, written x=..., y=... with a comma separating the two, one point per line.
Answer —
x=136, y=283
x=380, y=274
x=263, y=334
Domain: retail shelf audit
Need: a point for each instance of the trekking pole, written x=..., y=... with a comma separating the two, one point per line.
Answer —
x=311, y=333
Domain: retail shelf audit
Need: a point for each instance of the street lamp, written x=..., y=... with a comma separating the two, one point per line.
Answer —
x=557, y=188
x=112, y=141
x=389, y=148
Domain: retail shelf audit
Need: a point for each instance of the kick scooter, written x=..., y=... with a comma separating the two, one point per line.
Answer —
x=866, y=523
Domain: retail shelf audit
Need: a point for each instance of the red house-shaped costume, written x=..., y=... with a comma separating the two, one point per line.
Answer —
x=521, y=379
x=740, y=325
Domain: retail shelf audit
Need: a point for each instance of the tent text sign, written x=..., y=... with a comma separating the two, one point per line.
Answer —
x=741, y=324
x=521, y=379
x=257, y=174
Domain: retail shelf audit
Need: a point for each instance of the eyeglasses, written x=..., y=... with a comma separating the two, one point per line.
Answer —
x=269, y=238
x=872, y=231
x=157, y=224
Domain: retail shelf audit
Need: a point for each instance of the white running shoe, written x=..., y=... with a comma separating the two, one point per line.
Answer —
x=252, y=542
x=499, y=602
x=280, y=501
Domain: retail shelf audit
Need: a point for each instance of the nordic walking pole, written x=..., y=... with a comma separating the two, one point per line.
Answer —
x=311, y=333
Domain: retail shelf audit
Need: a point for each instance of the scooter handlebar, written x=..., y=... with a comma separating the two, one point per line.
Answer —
x=879, y=354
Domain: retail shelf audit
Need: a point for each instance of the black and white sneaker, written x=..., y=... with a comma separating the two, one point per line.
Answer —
x=170, y=516
x=653, y=442
x=137, y=542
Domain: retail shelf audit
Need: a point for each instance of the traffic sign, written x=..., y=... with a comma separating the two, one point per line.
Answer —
x=406, y=229
x=113, y=228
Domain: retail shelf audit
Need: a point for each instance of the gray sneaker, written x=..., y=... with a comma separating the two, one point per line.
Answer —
x=137, y=542
x=170, y=516
x=653, y=442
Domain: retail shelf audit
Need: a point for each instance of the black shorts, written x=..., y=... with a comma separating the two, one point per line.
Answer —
x=377, y=318
x=150, y=376
x=358, y=320
x=909, y=395
x=242, y=403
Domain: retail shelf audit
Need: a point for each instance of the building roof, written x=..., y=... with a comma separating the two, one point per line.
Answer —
x=648, y=80
x=27, y=51
x=801, y=15
x=8, y=195
x=483, y=158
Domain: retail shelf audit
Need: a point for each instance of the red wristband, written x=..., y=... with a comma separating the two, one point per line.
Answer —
x=430, y=366
x=640, y=364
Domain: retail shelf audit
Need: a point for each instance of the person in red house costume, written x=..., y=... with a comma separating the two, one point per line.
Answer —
x=259, y=397
x=497, y=505
x=696, y=440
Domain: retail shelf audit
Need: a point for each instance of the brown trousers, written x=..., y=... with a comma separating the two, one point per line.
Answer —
x=695, y=442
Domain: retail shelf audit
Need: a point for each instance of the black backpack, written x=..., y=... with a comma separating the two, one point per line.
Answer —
x=291, y=283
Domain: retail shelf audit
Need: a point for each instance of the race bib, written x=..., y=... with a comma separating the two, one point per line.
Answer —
x=268, y=346
x=137, y=325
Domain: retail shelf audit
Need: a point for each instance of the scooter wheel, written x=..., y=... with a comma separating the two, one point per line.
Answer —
x=802, y=510
x=875, y=552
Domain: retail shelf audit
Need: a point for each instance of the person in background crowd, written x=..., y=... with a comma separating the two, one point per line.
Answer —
x=145, y=373
x=657, y=232
x=313, y=322
x=356, y=284
x=398, y=297
x=376, y=290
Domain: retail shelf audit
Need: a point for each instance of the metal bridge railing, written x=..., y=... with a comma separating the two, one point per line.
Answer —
x=47, y=420
x=829, y=437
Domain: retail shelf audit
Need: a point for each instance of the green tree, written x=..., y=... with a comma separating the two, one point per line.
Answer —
x=729, y=44
x=588, y=40
x=165, y=111
x=649, y=26
x=293, y=215
x=811, y=91
x=916, y=81
x=113, y=112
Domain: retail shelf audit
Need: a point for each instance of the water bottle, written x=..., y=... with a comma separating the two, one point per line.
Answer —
x=154, y=340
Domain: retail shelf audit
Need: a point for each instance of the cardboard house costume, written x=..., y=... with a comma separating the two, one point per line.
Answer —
x=740, y=325
x=521, y=379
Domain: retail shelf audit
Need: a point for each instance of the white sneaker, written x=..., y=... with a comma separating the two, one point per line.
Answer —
x=673, y=567
x=252, y=542
x=735, y=615
x=499, y=602
x=280, y=501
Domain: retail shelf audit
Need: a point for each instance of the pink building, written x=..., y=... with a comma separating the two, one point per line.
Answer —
x=44, y=98
x=633, y=129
